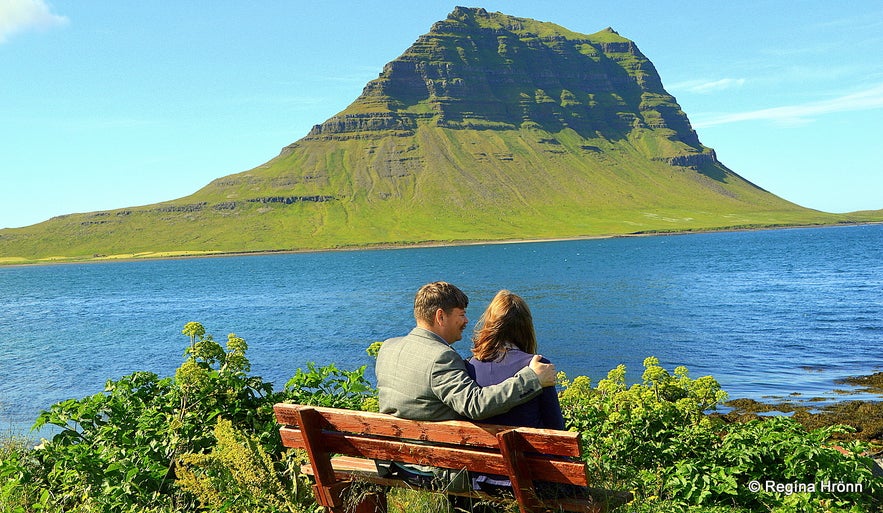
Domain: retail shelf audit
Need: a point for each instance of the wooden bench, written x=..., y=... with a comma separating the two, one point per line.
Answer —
x=343, y=444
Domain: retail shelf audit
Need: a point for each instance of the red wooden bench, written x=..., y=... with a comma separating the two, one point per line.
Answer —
x=343, y=444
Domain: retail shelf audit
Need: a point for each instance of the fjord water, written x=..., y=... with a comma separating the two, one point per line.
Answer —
x=768, y=313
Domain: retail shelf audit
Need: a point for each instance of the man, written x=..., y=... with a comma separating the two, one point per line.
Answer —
x=419, y=376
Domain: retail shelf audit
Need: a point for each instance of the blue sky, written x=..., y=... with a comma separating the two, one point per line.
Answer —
x=114, y=103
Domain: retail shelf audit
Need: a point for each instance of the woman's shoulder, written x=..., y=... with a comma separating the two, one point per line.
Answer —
x=517, y=355
x=513, y=357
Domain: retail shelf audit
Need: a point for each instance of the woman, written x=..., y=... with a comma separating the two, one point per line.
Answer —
x=503, y=344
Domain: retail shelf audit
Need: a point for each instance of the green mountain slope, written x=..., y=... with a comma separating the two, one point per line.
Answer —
x=489, y=127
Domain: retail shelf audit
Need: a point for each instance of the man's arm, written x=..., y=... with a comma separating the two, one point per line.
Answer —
x=452, y=384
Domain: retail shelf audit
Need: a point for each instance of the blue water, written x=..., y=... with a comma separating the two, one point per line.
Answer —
x=768, y=313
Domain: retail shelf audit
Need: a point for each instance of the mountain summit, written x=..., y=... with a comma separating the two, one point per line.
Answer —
x=483, y=71
x=488, y=127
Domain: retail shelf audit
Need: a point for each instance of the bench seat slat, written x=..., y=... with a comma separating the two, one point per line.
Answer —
x=546, y=441
x=543, y=468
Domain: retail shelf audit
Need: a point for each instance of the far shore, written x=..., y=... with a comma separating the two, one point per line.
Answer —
x=179, y=255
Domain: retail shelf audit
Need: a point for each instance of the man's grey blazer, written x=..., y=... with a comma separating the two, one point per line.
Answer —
x=421, y=377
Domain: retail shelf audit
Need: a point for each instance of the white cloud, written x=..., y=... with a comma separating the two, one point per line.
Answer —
x=705, y=87
x=871, y=98
x=22, y=15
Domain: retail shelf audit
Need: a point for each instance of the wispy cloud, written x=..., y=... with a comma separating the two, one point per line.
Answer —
x=871, y=98
x=706, y=87
x=23, y=15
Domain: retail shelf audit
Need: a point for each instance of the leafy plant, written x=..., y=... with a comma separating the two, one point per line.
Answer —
x=119, y=448
x=655, y=438
x=238, y=475
x=206, y=439
x=330, y=386
x=17, y=470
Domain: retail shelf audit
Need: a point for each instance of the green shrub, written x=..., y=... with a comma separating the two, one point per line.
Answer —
x=331, y=387
x=124, y=448
x=17, y=470
x=655, y=439
x=238, y=475
x=117, y=450
x=206, y=439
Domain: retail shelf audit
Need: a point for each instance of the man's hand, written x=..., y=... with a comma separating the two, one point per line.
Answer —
x=545, y=371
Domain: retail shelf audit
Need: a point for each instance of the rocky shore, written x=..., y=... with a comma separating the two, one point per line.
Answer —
x=864, y=416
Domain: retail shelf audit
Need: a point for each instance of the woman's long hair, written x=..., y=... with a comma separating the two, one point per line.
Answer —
x=506, y=319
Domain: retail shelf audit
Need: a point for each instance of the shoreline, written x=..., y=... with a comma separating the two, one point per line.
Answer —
x=382, y=246
x=864, y=416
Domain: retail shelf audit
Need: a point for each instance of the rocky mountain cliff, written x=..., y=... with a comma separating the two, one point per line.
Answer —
x=488, y=127
x=490, y=71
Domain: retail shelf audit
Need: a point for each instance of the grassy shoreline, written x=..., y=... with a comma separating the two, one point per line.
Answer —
x=179, y=255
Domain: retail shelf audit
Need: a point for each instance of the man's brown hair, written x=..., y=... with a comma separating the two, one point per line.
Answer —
x=433, y=296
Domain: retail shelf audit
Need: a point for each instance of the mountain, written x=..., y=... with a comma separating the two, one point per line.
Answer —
x=489, y=127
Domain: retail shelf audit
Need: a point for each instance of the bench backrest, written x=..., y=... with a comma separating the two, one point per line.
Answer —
x=523, y=454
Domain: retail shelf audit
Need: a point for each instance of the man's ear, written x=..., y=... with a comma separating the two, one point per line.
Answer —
x=439, y=317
